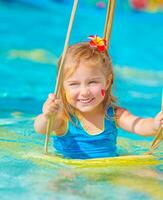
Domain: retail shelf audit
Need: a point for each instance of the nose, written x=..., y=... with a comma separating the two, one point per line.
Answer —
x=84, y=91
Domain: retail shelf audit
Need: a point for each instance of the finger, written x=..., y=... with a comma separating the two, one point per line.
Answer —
x=57, y=107
x=54, y=110
x=54, y=104
x=47, y=107
x=159, y=117
x=51, y=96
x=50, y=111
x=58, y=101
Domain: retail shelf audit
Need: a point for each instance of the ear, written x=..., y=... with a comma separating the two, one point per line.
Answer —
x=109, y=81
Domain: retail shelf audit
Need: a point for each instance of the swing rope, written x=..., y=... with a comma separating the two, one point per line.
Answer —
x=109, y=20
x=159, y=135
x=107, y=33
x=60, y=72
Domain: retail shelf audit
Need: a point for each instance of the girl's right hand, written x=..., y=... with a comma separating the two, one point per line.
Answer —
x=52, y=105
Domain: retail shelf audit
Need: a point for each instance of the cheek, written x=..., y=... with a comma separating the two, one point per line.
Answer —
x=97, y=90
x=71, y=95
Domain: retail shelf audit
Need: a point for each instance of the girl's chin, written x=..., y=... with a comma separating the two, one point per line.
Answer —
x=86, y=108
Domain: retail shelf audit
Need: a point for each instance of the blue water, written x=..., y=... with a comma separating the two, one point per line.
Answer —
x=31, y=40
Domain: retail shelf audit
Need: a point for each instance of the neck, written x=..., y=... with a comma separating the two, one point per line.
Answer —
x=91, y=114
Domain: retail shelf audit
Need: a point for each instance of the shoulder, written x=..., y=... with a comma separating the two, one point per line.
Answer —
x=119, y=111
x=115, y=111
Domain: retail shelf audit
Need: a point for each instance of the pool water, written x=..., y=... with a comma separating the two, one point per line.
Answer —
x=32, y=39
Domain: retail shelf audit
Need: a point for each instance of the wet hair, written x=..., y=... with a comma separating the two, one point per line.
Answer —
x=92, y=57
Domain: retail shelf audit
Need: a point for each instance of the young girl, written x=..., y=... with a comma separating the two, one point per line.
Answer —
x=86, y=117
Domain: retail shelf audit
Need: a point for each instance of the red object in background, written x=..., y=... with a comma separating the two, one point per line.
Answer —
x=139, y=4
x=101, y=4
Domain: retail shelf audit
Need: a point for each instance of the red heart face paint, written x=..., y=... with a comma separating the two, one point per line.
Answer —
x=103, y=92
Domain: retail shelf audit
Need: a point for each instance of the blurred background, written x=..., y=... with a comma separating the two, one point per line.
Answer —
x=32, y=35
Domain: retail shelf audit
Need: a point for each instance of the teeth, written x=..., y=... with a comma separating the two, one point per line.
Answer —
x=85, y=100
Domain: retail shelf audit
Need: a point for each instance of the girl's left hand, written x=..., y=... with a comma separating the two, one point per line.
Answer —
x=158, y=120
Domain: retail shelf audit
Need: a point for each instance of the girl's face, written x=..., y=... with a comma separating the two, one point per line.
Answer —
x=84, y=88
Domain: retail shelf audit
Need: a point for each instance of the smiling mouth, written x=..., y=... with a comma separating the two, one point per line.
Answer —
x=88, y=100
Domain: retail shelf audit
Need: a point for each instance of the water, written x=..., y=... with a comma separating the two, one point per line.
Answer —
x=31, y=41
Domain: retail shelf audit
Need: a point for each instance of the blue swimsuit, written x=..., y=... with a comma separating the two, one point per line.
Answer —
x=78, y=144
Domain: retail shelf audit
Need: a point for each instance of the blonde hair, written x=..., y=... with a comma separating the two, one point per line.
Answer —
x=83, y=52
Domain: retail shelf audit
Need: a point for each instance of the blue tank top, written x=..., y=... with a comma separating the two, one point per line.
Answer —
x=78, y=144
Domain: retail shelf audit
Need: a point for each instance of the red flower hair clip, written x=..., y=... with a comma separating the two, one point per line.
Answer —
x=99, y=43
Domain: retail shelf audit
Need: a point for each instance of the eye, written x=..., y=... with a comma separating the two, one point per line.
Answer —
x=73, y=84
x=92, y=82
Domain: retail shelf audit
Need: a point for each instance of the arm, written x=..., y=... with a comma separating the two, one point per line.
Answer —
x=41, y=121
x=135, y=124
x=51, y=107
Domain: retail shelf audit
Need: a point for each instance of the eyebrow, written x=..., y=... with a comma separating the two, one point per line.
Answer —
x=93, y=78
x=96, y=77
x=72, y=81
